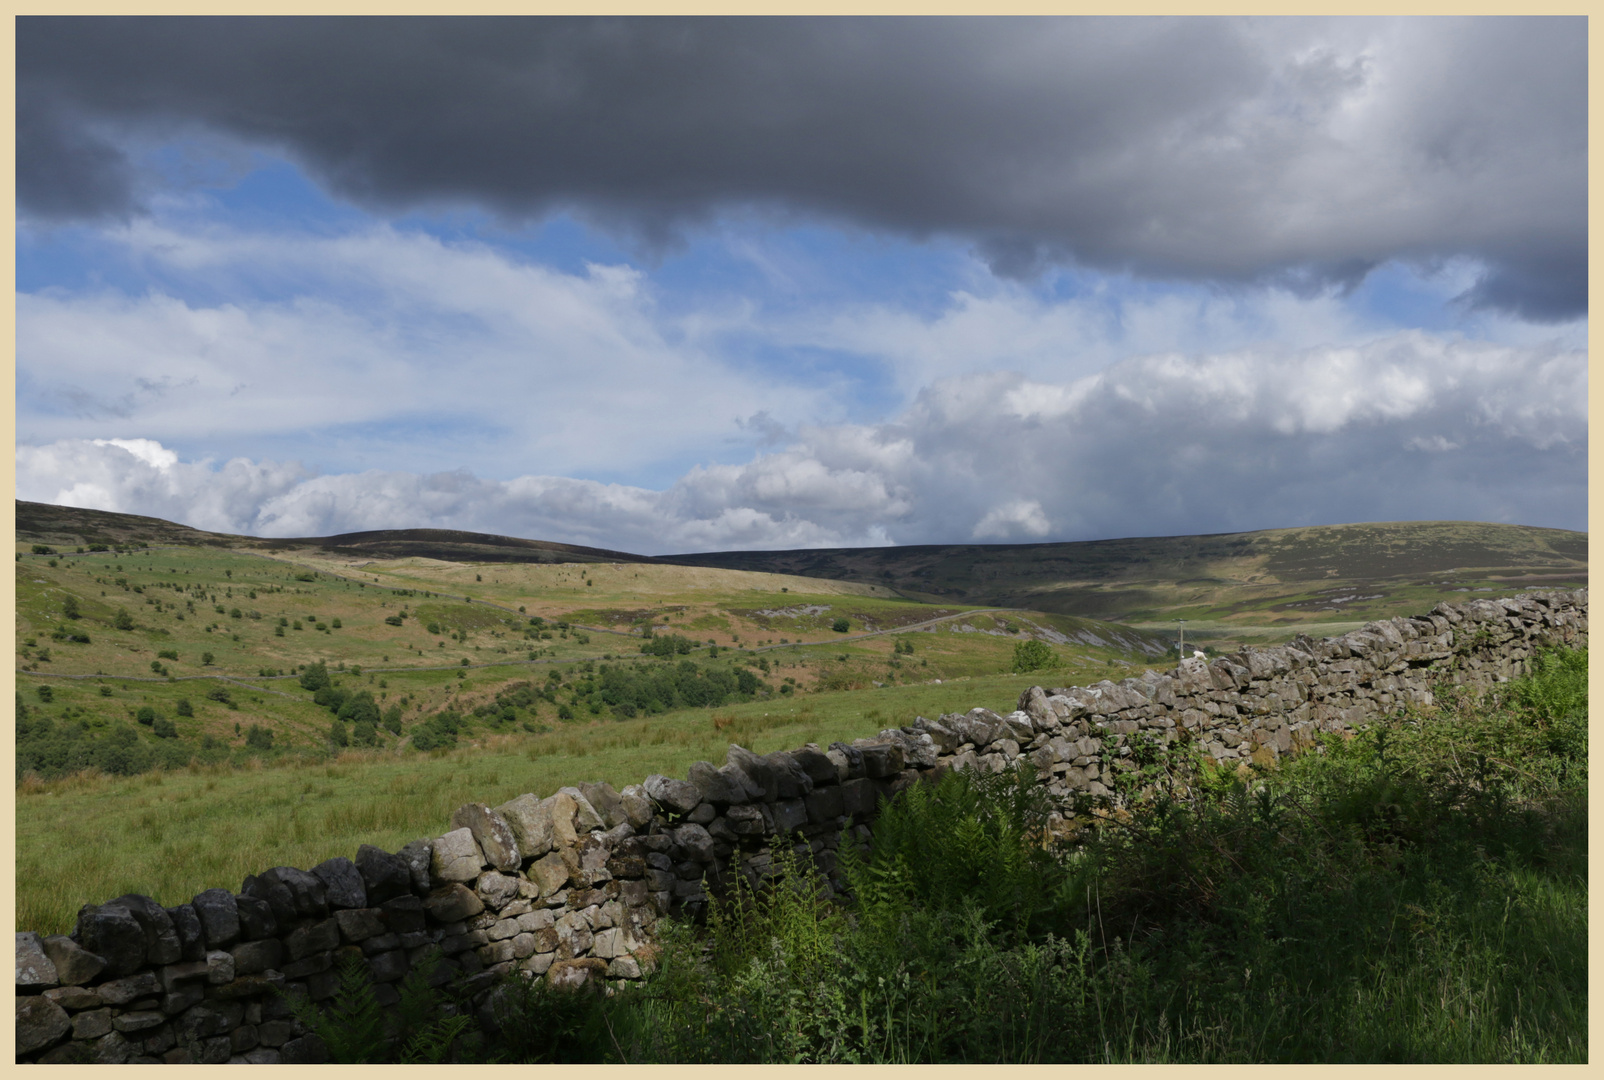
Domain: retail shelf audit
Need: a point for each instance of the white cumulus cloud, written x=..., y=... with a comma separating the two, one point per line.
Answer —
x=1407, y=427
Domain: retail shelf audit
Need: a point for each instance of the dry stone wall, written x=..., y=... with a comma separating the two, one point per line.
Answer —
x=568, y=887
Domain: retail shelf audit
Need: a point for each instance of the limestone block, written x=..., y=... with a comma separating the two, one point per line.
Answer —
x=456, y=857
x=791, y=780
x=549, y=873
x=191, y=940
x=358, y=924
x=343, y=883
x=637, y=806
x=789, y=815
x=251, y=957
x=112, y=933
x=74, y=998
x=35, y=970
x=452, y=902
x=92, y=1024
x=492, y=835
x=586, y=817
x=162, y=945
x=313, y=937
x=675, y=796
x=256, y=918
x=383, y=875
x=40, y=1023
x=696, y=841
x=74, y=964
x=818, y=766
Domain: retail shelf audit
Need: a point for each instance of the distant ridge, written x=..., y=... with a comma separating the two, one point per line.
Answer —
x=453, y=545
x=1357, y=571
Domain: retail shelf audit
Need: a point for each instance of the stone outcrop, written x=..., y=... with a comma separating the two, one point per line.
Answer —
x=569, y=887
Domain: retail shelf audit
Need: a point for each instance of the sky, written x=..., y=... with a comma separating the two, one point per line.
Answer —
x=673, y=285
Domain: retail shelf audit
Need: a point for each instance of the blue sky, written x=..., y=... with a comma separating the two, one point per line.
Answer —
x=608, y=286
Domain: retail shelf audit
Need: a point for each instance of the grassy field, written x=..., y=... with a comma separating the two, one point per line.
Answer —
x=210, y=639
x=184, y=652
x=171, y=834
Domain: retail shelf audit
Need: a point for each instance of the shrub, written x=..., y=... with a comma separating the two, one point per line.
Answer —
x=259, y=738
x=315, y=677
x=146, y=715
x=1032, y=655
x=183, y=708
x=841, y=625
x=165, y=730
x=123, y=620
x=206, y=659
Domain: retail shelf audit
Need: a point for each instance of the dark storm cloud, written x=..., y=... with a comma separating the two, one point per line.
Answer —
x=1289, y=150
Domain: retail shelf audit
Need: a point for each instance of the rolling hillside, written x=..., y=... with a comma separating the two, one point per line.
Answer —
x=1245, y=586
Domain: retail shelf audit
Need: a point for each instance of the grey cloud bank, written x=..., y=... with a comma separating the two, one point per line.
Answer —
x=1299, y=151
x=1409, y=427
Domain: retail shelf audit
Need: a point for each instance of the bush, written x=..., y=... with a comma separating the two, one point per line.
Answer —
x=165, y=729
x=315, y=677
x=841, y=625
x=666, y=645
x=123, y=620
x=1032, y=655
x=184, y=708
x=146, y=715
x=206, y=659
x=259, y=738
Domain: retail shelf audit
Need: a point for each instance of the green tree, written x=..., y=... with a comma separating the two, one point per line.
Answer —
x=1032, y=655
x=123, y=620
x=315, y=677
x=841, y=625
x=259, y=738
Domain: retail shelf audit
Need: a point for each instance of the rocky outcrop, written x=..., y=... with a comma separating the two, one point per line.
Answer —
x=569, y=887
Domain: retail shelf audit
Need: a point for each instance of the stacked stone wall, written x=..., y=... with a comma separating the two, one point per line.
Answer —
x=569, y=887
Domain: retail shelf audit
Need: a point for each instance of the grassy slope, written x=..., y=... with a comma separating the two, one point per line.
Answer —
x=1231, y=587
x=173, y=834
x=170, y=835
